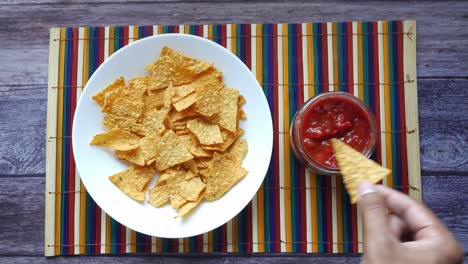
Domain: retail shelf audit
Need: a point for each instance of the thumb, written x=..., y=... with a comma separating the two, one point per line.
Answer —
x=374, y=217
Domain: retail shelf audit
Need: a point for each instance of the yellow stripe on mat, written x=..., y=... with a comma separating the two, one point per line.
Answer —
x=58, y=179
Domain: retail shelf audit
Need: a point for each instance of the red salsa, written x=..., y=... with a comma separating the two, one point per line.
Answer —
x=333, y=117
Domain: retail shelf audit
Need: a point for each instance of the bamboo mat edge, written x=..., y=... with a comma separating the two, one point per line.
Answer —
x=411, y=109
x=51, y=145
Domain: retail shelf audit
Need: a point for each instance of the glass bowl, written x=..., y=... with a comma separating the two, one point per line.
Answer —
x=318, y=102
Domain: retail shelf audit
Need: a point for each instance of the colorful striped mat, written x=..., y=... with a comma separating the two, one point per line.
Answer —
x=295, y=210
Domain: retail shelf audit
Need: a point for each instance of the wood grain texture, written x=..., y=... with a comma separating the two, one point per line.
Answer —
x=25, y=28
x=443, y=104
x=443, y=123
x=22, y=210
x=22, y=129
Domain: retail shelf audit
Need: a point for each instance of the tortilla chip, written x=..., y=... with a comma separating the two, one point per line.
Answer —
x=189, y=175
x=175, y=116
x=171, y=151
x=169, y=174
x=134, y=156
x=148, y=148
x=116, y=139
x=186, y=68
x=241, y=102
x=182, y=91
x=153, y=100
x=173, y=67
x=191, y=189
x=185, y=102
x=182, y=132
x=161, y=73
x=228, y=139
x=142, y=156
x=356, y=168
x=191, y=166
x=207, y=133
x=204, y=162
x=167, y=158
x=116, y=88
x=178, y=177
x=133, y=181
x=169, y=93
x=205, y=172
x=224, y=174
x=238, y=151
x=208, y=101
x=153, y=122
x=138, y=87
x=185, y=209
x=111, y=121
x=178, y=126
x=227, y=116
x=159, y=195
x=241, y=115
x=128, y=108
x=176, y=199
x=194, y=146
x=210, y=77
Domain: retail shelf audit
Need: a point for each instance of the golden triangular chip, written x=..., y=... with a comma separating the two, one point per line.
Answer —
x=182, y=91
x=128, y=108
x=188, y=207
x=171, y=151
x=137, y=87
x=153, y=122
x=133, y=181
x=207, y=133
x=185, y=102
x=134, y=156
x=176, y=199
x=356, y=168
x=224, y=174
x=159, y=195
x=238, y=151
x=112, y=92
x=111, y=121
x=174, y=67
x=227, y=117
x=116, y=139
x=191, y=189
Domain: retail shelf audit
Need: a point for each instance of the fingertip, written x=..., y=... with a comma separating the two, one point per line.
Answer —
x=366, y=187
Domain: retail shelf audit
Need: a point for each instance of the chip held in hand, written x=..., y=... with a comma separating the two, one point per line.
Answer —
x=356, y=168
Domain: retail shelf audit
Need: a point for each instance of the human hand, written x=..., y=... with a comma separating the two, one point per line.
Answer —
x=411, y=233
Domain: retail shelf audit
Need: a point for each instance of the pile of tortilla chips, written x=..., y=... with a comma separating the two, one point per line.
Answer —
x=181, y=122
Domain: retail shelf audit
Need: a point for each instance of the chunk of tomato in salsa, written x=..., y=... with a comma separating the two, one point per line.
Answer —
x=333, y=118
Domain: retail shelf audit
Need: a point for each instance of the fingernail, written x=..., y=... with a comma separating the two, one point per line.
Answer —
x=366, y=187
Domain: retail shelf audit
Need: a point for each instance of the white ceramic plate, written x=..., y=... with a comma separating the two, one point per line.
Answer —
x=95, y=164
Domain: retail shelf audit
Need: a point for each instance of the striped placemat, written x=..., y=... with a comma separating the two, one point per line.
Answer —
x=295, y=210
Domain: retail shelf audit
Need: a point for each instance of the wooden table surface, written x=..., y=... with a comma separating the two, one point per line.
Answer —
x=24, y=33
